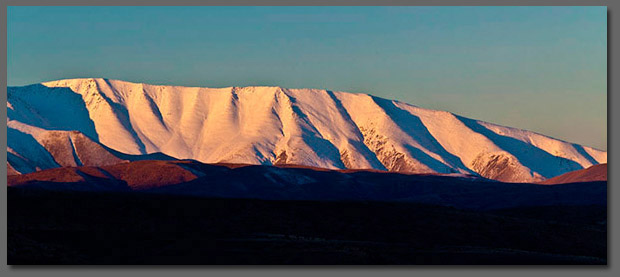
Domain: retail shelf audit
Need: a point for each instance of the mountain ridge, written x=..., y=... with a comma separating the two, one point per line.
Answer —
x=591, y=174
x=270, y=125
x=300, y=183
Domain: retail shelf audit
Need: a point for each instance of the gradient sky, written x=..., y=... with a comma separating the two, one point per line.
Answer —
x=538, y=68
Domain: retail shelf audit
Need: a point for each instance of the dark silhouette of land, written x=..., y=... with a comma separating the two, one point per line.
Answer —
x=453, y=221
x=46, y=227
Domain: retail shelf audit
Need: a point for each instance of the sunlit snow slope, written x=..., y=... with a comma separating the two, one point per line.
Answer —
x=269, y=125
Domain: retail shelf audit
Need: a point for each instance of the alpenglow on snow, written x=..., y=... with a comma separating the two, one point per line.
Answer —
x=99, y=121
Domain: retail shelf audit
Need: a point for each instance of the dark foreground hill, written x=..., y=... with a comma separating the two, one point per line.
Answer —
x=293, y=183
x=53, y=227
x=185, y=212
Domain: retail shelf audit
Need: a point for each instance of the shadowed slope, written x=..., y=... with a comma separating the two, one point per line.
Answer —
x=50, y=108
x=51, y=149
x=444, y=162
x=540, y=162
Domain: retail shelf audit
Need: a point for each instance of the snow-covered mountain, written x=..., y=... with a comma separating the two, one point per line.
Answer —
x=100, y=121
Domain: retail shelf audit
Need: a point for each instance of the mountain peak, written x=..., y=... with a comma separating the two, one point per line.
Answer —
x=271, y=124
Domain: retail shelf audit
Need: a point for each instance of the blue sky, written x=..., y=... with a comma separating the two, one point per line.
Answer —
x=539, y=68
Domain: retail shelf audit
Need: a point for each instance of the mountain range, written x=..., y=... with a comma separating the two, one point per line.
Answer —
x=101, y=122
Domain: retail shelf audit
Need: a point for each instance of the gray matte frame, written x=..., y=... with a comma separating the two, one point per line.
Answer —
x=564, y=271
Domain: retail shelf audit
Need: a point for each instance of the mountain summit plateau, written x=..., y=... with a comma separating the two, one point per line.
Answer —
x=97, y=122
